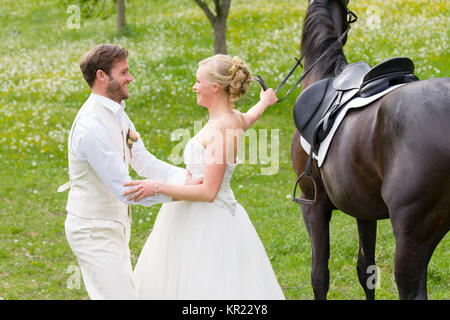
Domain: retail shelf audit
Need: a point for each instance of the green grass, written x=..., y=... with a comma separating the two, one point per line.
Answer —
x=41, y=90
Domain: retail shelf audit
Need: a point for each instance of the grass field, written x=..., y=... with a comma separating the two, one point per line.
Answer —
x=41, y=89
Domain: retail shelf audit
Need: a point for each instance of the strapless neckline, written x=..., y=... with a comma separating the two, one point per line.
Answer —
x=204, y=149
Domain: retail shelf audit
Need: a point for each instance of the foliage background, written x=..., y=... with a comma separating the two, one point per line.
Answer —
x=41, y=89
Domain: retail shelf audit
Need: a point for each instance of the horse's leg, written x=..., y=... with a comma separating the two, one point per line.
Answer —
x=419, y=220
x=317, y=221
x=409, y=269
x=367, y=230
x=418, y=199
x=413, y=251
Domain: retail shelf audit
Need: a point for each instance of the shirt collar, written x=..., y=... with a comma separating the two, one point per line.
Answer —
x=108, y=103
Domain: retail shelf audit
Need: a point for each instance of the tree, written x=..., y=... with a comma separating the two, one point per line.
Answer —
x=120, y=15
x=218, y=22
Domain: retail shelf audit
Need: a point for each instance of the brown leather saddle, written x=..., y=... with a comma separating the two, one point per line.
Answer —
x=318, y=106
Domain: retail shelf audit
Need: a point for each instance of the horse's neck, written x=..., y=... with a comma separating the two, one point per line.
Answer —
x=309, y=80
x=322, y=28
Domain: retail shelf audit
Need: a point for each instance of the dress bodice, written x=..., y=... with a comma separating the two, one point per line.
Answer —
x=194, y=158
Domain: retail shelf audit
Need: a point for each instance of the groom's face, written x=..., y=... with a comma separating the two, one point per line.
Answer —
x=118, y=79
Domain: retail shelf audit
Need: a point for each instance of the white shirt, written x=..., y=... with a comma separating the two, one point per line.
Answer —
x=91, y=142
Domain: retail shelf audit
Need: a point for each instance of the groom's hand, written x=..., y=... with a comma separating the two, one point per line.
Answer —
x=142, y=189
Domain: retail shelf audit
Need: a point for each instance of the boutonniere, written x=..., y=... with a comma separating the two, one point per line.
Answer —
x=131, y=138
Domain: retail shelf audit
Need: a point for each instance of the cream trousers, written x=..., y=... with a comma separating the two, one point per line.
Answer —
x=101, y=248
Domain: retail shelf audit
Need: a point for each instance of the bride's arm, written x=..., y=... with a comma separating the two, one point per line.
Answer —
x=267, y=98
x=207, y=191
x=215, y=167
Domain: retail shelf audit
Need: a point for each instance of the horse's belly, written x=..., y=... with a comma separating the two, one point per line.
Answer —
x=362, y=201
x=350, y=175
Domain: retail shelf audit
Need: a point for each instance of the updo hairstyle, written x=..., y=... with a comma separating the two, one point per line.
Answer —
x=230, y=73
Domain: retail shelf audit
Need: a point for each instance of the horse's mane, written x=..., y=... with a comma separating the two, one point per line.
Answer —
x=318, y=35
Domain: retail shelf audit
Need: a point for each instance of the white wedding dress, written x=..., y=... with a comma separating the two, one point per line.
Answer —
x=203, y=250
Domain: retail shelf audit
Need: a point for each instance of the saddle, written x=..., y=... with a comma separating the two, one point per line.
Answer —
x=317, y=107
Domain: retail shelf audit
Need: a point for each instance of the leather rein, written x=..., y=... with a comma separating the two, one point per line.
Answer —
x=351, y=18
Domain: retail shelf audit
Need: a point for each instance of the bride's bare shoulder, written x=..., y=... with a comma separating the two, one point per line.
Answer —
x=231, y=120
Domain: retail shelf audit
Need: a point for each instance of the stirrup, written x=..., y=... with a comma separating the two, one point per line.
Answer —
x=305, y=201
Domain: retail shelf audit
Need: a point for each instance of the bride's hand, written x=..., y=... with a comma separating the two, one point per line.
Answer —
x=142, y=189
x=269, y=97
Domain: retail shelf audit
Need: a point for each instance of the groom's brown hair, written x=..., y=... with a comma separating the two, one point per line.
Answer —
x=100, y=57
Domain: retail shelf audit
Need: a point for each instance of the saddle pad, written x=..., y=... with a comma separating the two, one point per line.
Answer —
x=355, y=103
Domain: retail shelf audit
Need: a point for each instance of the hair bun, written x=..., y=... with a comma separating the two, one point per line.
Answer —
x=240, y=78
x=236, y=64
x=231, y=73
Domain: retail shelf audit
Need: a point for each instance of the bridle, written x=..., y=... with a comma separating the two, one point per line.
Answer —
x=351, y=18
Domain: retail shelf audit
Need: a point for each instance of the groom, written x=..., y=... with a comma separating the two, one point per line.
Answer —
x=99, y=217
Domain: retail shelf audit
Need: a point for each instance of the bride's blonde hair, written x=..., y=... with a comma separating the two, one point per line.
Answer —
x=230, y=73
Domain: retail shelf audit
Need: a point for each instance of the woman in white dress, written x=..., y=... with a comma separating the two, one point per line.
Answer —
x=205, y=246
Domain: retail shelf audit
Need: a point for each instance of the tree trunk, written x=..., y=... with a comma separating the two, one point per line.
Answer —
x=220, y=36
x=219, y=22
x=120, y=15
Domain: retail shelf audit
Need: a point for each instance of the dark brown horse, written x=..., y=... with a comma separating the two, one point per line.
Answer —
x=389, y=160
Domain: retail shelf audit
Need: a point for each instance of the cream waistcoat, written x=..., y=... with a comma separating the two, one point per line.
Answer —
x=88, y=196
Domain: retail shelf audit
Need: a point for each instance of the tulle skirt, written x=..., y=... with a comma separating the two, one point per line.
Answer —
x=198, y=250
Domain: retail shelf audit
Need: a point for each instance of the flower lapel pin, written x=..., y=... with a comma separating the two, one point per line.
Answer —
x=131, y=138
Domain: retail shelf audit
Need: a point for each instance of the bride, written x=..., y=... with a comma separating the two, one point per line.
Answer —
x=205, y=246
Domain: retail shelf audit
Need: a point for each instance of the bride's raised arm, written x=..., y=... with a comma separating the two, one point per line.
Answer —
x=267, y=98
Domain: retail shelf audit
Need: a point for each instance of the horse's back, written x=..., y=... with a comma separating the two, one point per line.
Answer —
x=417, y=116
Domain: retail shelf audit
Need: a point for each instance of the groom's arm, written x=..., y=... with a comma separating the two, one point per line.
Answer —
x=92, y=143
x=148, y=166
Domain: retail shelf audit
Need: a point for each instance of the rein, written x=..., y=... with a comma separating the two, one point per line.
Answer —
x=351, y=18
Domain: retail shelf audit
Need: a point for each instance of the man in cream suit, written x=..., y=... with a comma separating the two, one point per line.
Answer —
x=98, y=220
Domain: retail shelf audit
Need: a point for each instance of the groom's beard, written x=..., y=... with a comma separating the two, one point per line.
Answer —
x=116, y=91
